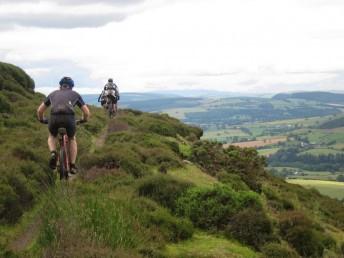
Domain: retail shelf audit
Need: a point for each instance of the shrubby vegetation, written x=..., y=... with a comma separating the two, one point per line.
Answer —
x=163, y=189
x=293, y=157
x=243, y=162
x=213, y=208
x=251, y=227
x=275, y=250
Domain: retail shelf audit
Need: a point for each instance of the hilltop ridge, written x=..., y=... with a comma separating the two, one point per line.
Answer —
x=151, y=188
x=320, y=96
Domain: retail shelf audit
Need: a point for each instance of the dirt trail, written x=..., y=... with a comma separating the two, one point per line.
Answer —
x=114, y=125
x=27, y=237
x=99, y=142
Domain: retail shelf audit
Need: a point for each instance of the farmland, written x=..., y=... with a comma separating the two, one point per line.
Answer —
x=260, y=143
x=301, y=131
x=329, y=188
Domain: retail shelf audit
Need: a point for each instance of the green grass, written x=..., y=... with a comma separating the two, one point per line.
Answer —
x=329, y=188
x=321, y=151
x=224, y=133
x=267, y=152
x=181, y=112
x=193, y=174
x=323, y=136
x=208, y=246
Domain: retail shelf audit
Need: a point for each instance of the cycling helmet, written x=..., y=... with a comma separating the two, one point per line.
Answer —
x=110, y=80
x=67, y=81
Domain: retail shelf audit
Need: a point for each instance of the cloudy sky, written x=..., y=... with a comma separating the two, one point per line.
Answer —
x=146, y=45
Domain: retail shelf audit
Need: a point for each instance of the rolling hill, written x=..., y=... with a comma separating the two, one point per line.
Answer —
x=149, y=187
x=319, y=96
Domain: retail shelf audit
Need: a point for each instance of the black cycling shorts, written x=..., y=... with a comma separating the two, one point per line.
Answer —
x=62, y=121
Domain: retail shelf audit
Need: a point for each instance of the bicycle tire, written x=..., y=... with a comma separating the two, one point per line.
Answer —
x=111, y=111
x=62, y=169
x=64, y=166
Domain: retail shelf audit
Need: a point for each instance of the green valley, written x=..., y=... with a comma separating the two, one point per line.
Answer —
x=149, y=187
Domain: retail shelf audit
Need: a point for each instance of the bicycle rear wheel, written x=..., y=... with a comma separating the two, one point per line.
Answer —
x=63, y=171
x=62, y=168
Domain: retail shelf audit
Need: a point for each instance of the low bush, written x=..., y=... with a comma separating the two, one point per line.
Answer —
x=158, y=156
x=292, y=219
x=302, y=234
x=307, y=241
x=163, y=189
x=173, y=229
x=5, y=106
x=251, y=227
x=10, y=209
x=276, y=201
x=233, y=180
x=244, y=162
x=275, y=250
x=119, y=157
x=212, y=208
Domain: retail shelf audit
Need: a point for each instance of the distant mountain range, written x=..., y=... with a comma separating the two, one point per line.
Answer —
x=157, y=101
x=319, y=96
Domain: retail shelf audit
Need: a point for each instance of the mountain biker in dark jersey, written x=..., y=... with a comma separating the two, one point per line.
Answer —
x=62, y=104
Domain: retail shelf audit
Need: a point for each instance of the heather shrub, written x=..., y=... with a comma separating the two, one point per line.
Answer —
x=275, y=250
x=163, y=189
x=212, y=208
x=251, y=227
x=302, y=234
x=119, y=157
x=173, y=229
x=5, y=106
x=233, y=180
x=307, y=241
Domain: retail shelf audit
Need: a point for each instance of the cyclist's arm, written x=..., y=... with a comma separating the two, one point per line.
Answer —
x=42, y=108
x=40, y=111
x=85, y=112
x=116, y=90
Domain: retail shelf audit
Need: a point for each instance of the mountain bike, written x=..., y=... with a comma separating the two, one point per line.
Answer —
x=112, y=107
x=63, y=160
x=109, y=102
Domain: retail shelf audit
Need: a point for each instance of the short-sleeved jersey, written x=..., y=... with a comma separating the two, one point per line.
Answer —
x=110, y=86
x=63, y=101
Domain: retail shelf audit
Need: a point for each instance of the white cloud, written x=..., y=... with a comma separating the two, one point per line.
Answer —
x=267, y=45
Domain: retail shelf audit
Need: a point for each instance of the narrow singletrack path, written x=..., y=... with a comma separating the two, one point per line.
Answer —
x=22, y=241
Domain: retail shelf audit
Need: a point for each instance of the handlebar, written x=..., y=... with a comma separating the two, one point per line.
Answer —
x=77, y=122
x=80, y=121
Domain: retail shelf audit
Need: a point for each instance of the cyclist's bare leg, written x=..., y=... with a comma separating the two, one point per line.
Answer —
x=52, y=142
x=73, y=149
x=52, y=147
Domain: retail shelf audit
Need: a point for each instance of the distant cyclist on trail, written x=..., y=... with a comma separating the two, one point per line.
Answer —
x=111, y=92
x=62, y=104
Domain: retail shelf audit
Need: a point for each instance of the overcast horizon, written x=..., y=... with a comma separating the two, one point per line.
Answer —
x=247, y=46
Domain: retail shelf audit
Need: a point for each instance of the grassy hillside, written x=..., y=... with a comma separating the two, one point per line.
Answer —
x=149, y=187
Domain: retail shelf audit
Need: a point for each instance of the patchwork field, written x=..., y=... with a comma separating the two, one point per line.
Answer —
x=329, y=188
x=258, y=143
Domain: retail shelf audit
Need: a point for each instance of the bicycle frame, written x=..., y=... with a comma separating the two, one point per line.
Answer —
x=111, y=106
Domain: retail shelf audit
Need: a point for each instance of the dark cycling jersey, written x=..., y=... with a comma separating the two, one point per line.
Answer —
x=63, y=101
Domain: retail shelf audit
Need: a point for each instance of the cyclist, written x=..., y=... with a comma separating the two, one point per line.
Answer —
x=62, y=104
x=111, y=91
